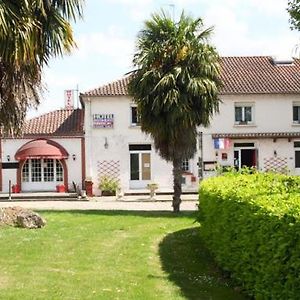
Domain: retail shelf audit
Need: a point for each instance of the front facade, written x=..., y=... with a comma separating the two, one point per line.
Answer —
x=50, y=153
x=117, y=148
x=257, y=126
x=259, y=119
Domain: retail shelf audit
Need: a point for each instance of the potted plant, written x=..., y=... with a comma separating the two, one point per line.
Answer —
x=108, y=185
x=152, y=187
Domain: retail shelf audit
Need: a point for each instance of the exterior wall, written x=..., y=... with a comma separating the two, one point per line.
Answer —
x=272, y=113
x=74, y=167
x=118, y=140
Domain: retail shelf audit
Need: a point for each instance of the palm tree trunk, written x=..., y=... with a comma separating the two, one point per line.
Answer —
x=177, y=174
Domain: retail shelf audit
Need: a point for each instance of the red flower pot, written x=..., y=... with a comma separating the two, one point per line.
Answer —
x=60, y=188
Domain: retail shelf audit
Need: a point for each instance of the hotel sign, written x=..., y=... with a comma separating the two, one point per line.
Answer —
x=103, y=120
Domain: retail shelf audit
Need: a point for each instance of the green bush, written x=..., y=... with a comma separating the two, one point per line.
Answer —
x=108, y=184
x=251, y=223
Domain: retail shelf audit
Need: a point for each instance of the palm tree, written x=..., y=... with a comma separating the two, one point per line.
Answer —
x=175, y=86
x=294, y=12
x=31, y=33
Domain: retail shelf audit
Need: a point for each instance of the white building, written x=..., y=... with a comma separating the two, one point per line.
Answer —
x=259, y=115
x=258, y=125
x=259, y=121
x=50, y=153
x=116, y=147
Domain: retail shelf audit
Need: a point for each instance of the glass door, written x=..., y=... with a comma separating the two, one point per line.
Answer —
x=41, y=174
x=140, y=169
x=245, y=157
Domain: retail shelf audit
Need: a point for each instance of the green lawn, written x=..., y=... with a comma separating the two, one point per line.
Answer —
x=109, y=255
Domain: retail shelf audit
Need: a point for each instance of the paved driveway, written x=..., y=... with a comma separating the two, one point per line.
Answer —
x=163, y=203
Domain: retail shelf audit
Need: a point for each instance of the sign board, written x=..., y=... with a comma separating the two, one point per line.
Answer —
x=69, y=98
x=103, y=120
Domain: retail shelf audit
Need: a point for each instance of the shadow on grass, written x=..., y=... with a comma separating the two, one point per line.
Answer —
x=190, y=266
x=139, y=213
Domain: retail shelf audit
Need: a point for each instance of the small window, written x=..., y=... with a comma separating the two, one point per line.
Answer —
x=297, y=159
x=135, y=119
x=296, y=113
x=185, y=165
x=243, y=113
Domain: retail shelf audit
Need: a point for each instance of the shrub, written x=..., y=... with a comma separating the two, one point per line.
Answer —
x=251, y=223
x=108, y=184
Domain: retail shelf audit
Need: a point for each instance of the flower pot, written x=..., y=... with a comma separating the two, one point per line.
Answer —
x=108, y=193
x=15, y=188
x=89, y=188
x=61, y=188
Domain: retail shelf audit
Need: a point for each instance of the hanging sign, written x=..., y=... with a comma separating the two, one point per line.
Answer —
x=103, y=120
x=69, y=99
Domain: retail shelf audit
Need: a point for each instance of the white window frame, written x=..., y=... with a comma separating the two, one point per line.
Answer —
x=296, y=149
x=185, y=166
x=243, y=105
x=42, y=176
x=140, y=152
x=296, y=104
x=134, y=124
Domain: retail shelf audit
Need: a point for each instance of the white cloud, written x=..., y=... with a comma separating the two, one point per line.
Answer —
x=111, y=45
x=234, y=35
x=137, y=10
x=268, y=7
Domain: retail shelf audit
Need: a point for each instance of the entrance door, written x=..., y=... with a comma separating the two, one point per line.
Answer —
x=140, y=169
x=41, y=175
x=245, y=158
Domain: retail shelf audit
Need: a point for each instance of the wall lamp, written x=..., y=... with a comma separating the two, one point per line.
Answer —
x=275, y=153
x=74, y=156
x=105, y=143
x=8, y=157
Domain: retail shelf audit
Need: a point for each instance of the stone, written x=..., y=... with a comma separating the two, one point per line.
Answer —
x=21, y=217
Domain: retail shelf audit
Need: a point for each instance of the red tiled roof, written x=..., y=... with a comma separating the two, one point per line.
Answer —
x=64, y=122
x=259, y=75
x=115, y=88
x=239, y=75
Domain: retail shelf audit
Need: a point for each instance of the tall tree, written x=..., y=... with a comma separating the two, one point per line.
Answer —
x=294, y=11
x=175, y=86
x=31, y=33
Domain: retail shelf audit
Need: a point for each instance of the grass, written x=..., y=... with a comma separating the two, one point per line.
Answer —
x=109, y=255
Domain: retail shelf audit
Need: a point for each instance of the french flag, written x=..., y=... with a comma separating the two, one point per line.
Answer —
x=222, y=143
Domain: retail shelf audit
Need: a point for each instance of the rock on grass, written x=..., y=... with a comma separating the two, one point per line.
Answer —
x=21, y=217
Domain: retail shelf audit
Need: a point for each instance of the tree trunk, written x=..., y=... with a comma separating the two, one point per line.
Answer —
x=177, y=177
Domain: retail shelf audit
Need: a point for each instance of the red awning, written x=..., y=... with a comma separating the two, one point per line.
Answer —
x=41, y=149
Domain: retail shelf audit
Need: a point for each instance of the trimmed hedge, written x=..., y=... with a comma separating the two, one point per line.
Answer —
x=251, y=223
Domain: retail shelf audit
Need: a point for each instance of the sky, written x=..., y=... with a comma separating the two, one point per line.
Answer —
x=106, y=39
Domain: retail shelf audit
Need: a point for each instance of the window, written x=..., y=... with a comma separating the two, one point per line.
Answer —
x=48, y=170
x=135, y=119
x=243, y=113
x=25, y=172
x=140, y=162
x=59, y=171
x=297, y=154
x=185, y=165
x=36, y=170
x=42, y=170
x=296, y=112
